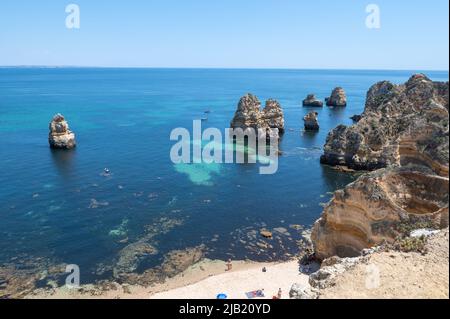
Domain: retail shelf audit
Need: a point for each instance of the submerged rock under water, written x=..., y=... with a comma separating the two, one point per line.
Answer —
x=199, y=174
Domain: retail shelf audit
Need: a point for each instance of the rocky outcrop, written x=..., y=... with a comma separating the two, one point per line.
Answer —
x=377, y=208
x=174, y=263
x=401, y=124
x=311, y=100
x=337, y=98
x=331, y=268
x=60, y=136
x=178, y=261
x=249, y=115
x=404, y=134
x=303, y=292
x=311, y=122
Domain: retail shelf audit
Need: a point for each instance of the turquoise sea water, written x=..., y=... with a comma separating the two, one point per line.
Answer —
x=56, y=205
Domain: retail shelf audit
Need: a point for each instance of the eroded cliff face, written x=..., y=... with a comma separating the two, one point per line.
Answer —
x=400, y=124
x=377, y=207
x=404, y=134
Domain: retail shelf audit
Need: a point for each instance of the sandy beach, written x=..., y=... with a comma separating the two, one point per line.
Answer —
x=203, y=280
x=235, y=284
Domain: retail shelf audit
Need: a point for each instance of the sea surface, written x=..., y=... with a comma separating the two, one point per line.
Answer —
x=58, y=207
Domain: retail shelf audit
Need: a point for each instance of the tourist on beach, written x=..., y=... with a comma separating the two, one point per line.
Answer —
x=229, y=265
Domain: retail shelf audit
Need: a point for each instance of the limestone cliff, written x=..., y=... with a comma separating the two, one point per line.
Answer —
x=376, y=208
x=400, y=124
x=403, y=132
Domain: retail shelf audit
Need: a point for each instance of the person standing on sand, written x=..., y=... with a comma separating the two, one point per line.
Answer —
x=229, y=265
x=280, y=293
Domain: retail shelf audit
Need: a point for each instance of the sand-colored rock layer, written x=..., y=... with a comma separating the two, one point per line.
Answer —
x=403, y=128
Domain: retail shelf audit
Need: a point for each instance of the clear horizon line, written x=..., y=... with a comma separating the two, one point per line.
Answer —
x=217, y=68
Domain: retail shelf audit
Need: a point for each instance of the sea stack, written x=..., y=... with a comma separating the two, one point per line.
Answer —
x=311, y=122
x=337, y=98
x=249, y=115
x=60, y=137
x=311, y=100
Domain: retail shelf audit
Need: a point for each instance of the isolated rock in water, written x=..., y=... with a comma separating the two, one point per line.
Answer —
x=60, y=136
x=401, y=124
x=311, y=122
x=249, y=115
x=311, y=100
x=265, y=233
x=337, y=98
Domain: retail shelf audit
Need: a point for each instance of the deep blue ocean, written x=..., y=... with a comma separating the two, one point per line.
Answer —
x=56, y=205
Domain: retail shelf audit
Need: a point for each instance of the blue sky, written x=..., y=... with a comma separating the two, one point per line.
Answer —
x=227, y=33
